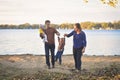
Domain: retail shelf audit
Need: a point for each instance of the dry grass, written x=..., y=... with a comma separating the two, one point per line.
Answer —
x=30, y=67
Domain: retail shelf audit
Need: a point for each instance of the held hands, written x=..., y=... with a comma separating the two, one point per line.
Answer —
x=65, y=35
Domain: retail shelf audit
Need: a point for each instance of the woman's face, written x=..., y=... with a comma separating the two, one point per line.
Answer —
x=75, y=28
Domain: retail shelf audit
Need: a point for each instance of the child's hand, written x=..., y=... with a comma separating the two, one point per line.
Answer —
x=65, y=35
x=42, y=36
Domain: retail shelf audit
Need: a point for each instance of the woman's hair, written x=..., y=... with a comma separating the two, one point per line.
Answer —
x=78, y=26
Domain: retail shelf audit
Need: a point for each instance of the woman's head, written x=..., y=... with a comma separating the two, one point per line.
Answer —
x=77, y=27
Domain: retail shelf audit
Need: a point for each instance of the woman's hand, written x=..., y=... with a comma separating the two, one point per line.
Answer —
x=65, y=35
x=83, y=50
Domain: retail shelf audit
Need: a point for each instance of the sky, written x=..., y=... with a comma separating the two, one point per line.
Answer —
x=57, y=11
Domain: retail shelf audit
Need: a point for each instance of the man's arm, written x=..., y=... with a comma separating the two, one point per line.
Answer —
x=57, y=33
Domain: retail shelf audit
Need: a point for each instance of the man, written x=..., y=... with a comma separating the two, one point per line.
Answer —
x=79, y=44
x=50, y=44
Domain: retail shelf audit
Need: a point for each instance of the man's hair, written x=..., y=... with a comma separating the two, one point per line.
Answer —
x=78, y=26
x=47, y=21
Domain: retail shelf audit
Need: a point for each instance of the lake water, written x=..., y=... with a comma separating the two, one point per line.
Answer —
x=27, y=41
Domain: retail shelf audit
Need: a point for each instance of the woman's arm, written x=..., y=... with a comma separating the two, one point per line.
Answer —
x=70, y=34
x=84, y=42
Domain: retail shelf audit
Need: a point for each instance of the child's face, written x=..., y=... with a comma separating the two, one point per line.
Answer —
x=61, y=39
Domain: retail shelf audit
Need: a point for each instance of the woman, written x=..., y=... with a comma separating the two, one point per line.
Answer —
x=79, y=44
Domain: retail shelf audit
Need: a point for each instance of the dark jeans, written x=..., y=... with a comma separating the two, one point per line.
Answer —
x=59, y=56
x=77, y=53
x=50, y=47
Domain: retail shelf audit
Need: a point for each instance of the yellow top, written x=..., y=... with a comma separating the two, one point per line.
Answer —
x=41, y=31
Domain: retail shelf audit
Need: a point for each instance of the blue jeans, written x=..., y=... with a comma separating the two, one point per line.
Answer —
x=77, y=53
x=59, y=56
x=50, y=47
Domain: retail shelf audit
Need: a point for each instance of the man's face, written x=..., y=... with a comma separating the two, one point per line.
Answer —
x=47, y=24
x=75, y=28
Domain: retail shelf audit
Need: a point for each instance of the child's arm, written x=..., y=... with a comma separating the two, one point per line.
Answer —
x=58, y=39
x=41, y=35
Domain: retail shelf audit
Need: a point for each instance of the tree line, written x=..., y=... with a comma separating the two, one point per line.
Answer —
x=85, y=25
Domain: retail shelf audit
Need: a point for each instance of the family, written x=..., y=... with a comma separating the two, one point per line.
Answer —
x=47, y=33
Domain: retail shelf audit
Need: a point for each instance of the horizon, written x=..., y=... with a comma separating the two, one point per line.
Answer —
x=61, y=23
x=58, y=12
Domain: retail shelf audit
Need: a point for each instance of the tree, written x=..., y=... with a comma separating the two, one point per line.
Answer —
x=98, y=26
x=110, y=25
x=87, y=25
x=111, y=3
x=104, y=25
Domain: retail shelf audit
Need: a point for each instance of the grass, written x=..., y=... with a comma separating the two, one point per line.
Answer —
x=107, y=73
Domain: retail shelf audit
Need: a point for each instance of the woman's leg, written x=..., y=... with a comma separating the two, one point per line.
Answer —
x=79, y=55
x=75, y=59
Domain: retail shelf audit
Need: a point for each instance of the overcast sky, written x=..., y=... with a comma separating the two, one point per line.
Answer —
x=58, y=11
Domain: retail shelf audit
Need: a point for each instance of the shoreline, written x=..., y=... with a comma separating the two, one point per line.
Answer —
x=62, y=55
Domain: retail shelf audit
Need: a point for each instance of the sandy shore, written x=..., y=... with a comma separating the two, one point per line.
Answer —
x=33, y=67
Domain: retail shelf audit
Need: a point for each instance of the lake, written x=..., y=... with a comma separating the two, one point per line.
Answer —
x=27, y=41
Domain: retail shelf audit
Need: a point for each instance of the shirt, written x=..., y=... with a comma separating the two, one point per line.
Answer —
x=79, y=40
x=61, y=43
x=50, y=32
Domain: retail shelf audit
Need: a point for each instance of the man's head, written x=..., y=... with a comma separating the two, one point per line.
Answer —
x=47, y=23
x=77, y=27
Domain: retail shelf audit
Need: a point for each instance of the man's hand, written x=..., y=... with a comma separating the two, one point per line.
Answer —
x=83, y=50
x=58, y=34
x=65, y=35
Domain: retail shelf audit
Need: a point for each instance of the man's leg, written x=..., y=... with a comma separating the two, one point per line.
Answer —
x=47, y=54
x=52, y=49
x=75, y=59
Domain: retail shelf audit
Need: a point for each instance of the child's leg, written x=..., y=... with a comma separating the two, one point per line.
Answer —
x=57, y=55
x=60, y=56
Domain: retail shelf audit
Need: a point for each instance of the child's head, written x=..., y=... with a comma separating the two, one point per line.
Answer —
x=62, y=40
x=42, y=26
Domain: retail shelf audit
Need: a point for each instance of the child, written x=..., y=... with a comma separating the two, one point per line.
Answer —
x=42, y=33
x=60, y=49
